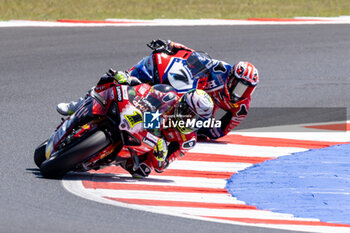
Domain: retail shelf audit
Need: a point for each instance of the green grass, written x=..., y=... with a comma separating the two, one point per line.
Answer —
x=151, y=9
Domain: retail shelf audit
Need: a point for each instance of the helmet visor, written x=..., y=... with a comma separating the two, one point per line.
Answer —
x=185, y=118
x=239, y=90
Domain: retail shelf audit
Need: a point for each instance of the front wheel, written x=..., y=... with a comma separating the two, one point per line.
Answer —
x=61, y=163
x=39, y=154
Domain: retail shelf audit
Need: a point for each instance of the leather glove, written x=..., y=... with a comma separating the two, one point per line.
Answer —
x=161, y=150
x=111, y=72
x=159, y=46
x=120, y=76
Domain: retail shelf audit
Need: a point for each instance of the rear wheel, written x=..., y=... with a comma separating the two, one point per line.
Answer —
x=61, y=163
x=39, y=154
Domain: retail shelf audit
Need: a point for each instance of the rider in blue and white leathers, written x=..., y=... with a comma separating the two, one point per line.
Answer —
x=230, y=86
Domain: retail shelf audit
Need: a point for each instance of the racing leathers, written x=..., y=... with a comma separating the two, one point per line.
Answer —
x=168, y=143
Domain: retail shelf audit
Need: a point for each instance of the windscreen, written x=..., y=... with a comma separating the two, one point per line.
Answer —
x=198, y=64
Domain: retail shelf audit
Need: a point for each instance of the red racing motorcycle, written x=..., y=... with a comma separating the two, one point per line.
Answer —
x=106, y=129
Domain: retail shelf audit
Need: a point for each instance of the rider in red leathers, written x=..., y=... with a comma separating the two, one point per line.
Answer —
x=169, y=143
x=172, y=141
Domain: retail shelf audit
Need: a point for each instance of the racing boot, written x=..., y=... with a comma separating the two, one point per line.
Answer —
x=142, y=171
x=66, y=109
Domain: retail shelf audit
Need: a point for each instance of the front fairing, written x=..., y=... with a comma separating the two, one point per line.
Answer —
x=144, y=70
x=58, y=135
x=97, y=104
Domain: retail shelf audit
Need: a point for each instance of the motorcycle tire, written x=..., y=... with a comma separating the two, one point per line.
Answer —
x=58, y=165
x=39, y=154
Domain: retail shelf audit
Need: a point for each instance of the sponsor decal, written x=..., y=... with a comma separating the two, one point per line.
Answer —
x=125, y=92
x=152, y=137
x=211, y=84
x=148, y=142
x=119, y=94
x=140, y=104
x=159, y=59
x=142, y=90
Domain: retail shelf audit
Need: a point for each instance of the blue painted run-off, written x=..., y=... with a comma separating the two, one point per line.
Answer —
x=311, y=184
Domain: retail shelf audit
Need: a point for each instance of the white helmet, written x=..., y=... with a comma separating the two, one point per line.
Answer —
x=195, y=104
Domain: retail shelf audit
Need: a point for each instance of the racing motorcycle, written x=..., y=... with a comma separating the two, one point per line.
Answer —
x=106, y=129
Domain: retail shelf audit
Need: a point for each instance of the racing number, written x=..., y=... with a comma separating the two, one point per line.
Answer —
x=134, y=119
x=179, y=76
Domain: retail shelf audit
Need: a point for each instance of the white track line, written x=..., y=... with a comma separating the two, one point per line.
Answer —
x=209, y=166
x=319, y=136
x=176, y=22
x=175, y=181
x=243, y=150
x=298, y=132
x=170, y=196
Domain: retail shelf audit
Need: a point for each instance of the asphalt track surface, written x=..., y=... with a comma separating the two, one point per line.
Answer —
x=300, y=66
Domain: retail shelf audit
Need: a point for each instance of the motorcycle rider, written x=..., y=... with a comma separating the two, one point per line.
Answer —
x=230, y=86
x=169, y=143
x=172, y=141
